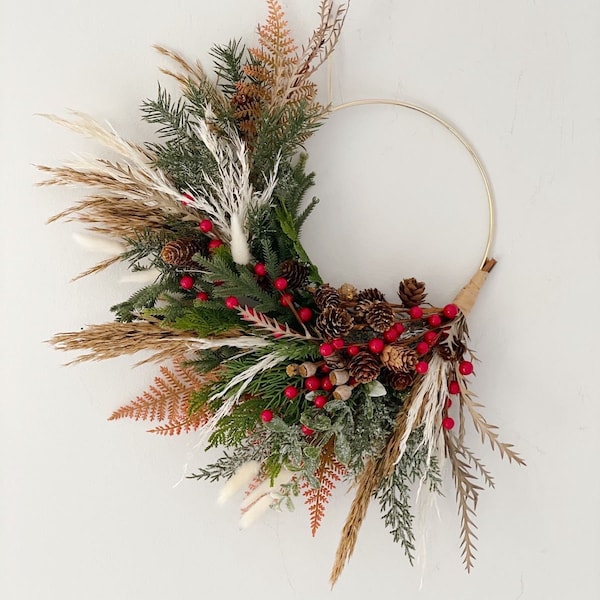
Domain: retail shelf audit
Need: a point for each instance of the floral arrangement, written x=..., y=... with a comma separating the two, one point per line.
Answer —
x=301, y=383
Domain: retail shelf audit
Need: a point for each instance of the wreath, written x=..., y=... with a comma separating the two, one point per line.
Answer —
x=301, y=383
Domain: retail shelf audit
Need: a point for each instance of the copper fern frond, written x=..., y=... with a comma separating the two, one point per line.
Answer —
x=330, y=471
x=167, y=401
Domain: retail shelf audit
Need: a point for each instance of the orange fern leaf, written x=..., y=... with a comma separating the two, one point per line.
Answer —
x=330, y=471
x=168, y=401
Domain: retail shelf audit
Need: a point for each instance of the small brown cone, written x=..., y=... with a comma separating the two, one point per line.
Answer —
x=399, y=358
x=179, y=253
x=364, y=367
x=379, y=316
x=412, y=292
x=326, y=296
x=294, y=272
x=334, y=322
x=398, y=380
x=371, y=294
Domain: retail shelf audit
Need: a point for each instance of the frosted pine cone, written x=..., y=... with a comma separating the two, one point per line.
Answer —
x=294, y=272
x=326, y=296
x=364, y=367
x=371, y=294
x=398, y=380
x=334, y=322
x=379, y=316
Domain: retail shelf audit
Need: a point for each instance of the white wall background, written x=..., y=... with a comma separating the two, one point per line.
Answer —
x=89, y=509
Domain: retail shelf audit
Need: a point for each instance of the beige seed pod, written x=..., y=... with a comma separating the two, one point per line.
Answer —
x=291, y=370
x=307, y=369
x=339, y=376
x=342, y=392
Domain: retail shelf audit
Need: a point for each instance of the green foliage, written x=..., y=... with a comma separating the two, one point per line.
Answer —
x=227, y=465
x=395, y=492
x=237, y=281
x=232, y=429
x=143, y=299
x=228, y=65
x=208, y=319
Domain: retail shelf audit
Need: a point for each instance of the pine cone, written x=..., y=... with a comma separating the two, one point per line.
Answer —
x=178, y=253
x=398, y=380
x=399, y=358
x=371, y=294
x=294, y=272
x=334, y=322
x=379, y=316
x=364, y=367
x=412, y=292
x=326, y=296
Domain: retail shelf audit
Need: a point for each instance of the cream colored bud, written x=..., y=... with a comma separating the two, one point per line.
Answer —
x=339, y=376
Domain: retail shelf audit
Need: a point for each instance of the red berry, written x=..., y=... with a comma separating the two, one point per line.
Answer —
x=305, y=314
x=376, y=345
x=260, y=270
x=353, y=350
x=280, y=284
x=312, y=384
x=290, y=392
x=391, y=335
x=320, y=401
x=231, y=302
x=430, y=337
x=214, y=244
x=465, y=367
x=186, y=282
x=434, y=320
x=306, y=430
x=454, y=387
x=326, y=384
x=218, y=282
x=205, y=225
x=415, y=312
x=448, y=423
x=187, y=198
x=399, y=328
x=326, y=349
x=422, y=348
x=266, y=415
x=448, y=402
x=286, y=300
x=338, y=343
x=450, y=311
x=324, y=369
x=422, y=367
x=352, y=382
x=202, y=296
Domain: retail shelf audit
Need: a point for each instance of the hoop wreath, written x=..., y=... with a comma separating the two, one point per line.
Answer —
x=301, y=382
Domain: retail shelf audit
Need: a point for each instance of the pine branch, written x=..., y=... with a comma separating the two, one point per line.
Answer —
x=329, y=472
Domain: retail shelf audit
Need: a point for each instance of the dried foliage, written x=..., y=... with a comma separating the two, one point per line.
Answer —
x=329, y=472
x=168, y=401
x=109, y=340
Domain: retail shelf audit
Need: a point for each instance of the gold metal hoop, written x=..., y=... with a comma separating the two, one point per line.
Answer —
x=478, y=162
